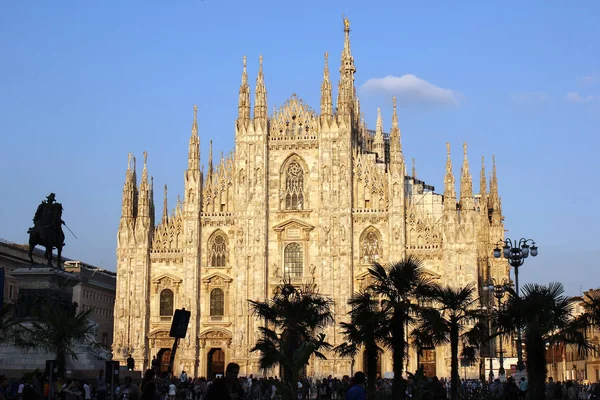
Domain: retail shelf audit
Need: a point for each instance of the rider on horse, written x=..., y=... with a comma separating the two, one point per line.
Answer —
x=47, y=230
x=48, y=216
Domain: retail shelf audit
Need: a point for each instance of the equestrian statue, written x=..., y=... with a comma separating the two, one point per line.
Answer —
x=47, y=229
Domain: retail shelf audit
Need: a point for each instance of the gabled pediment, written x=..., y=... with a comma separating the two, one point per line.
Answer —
x=431, y=274
x=166, y=281
x=167, y=277
x=293, y=223
x=362, y=276
x=217, y=278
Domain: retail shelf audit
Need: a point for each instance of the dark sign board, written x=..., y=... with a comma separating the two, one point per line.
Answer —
x=181, y=319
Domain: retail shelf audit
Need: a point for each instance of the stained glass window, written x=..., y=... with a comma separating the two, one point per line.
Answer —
x=294, y=187
x=293, y=261
x=166, y=303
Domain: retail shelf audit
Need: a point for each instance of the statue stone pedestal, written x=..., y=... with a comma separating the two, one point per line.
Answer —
x=42, y=284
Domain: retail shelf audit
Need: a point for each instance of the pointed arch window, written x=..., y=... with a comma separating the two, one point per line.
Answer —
x=217, y=250
x=217, y=303
x=370, y=247
x=294, y=187
x=166, y=303
x=293, y=261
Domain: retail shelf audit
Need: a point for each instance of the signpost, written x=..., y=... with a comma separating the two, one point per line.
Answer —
x=179, y=326
x=112, y=368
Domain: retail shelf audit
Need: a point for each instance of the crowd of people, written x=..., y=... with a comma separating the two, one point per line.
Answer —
x=233, y=387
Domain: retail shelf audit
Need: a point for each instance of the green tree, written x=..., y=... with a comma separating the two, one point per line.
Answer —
x=544, y=314
x=449, y=320
x=366, y=329
x=57, y=330
x=9, y=324
x=398, y=284
x=294, y=319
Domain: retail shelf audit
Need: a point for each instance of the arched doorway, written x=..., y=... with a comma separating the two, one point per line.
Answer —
x=215, y=363
x=365, y=367
x=164, y=355
x=426, y=359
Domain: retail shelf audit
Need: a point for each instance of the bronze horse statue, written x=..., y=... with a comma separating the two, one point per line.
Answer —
x=50, y=239
x=47, y=230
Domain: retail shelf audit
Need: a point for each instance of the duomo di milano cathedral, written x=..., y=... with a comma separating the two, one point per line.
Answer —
x=306, y=196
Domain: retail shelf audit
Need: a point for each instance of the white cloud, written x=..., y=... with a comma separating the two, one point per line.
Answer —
x=575, y=97
x=588, y=79
x=530, y=97
x=410, y=90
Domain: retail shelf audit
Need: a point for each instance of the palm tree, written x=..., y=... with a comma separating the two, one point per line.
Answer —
x=58, y=331
x=398, y=284
x=544, y=315
x=9, y=324
x=449, y=321
x=592, y=306
x=294, y=319
x=365, y=330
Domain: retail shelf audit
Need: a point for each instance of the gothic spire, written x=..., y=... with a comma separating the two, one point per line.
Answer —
x=144, y=192
x=482, y=181
x=466, y=183
x=194, y=147
x=129, y=190
x=449, y=189
x=260, y=99
x=494, y=198
x=326, y=99
x=395, y=135
x=244, y=97
x=165, y=213
x=210, y=161
x=152, y=208
x=414, y=169
x=346, y=90
x=379, y=143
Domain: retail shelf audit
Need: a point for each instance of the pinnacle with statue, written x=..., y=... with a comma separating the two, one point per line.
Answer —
x=47, y=230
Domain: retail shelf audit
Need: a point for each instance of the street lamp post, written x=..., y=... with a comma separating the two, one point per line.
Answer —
x=516, y=253
x=498, y=290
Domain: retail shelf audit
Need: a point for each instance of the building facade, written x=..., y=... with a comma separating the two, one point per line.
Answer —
x=96, y=292
x=96, y=289
x=307, y=196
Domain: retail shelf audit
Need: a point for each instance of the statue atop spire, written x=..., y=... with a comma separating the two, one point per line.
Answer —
x=346, y=24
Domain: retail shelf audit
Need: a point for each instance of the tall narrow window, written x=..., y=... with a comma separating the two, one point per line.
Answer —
x=293, y=261
x=166, y=303
x=217, y=250
x=217, y=303
x=294, y=187
x=370, y=247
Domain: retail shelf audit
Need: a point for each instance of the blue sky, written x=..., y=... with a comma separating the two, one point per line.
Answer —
x=84, y=83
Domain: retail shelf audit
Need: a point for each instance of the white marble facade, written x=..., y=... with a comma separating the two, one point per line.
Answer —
x=314, y=196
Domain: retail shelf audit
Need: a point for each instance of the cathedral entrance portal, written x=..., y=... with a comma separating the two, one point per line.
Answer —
x=426, y=359
x=215, y=363
x=164, y=355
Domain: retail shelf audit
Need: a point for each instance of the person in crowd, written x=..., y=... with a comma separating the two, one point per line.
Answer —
x=357, y=391
x=101, y=386
x=129, y=391
x=148, y=386
x=229, y=387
